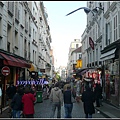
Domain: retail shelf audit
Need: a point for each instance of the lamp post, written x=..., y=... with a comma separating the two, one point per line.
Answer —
x=88, y=10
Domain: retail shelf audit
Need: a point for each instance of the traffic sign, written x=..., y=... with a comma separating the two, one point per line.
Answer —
x=5, y=70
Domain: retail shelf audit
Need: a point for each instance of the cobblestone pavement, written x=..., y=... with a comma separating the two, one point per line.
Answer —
x=43, y=110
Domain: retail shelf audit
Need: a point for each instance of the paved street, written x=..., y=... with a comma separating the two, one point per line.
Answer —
x=42, y=110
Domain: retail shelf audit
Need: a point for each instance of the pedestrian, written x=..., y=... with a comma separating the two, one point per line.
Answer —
x=101, y=96
x=56, y=97
x=28, y=100
x=68, y=105
x=10, y=92
x=88, y=100
x=16, y=103
x=98, y=94
x=78, y=89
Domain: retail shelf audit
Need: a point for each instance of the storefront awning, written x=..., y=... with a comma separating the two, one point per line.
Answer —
x=33, y=68
x=12, y=61
x=108, y=55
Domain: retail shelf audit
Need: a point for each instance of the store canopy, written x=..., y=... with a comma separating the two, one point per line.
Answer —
x=108, y=55
x=13, y=61
x=32, y=68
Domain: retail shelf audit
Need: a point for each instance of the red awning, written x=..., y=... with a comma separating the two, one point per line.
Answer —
x=25, y=64
x=12, y=61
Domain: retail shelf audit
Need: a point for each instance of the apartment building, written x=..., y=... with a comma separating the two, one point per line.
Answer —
x=105, y=33
x=20, y=42
x=73, y=45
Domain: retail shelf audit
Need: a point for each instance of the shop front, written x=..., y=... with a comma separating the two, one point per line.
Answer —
x=111, y=76
x=33, y=73
x=12, y=63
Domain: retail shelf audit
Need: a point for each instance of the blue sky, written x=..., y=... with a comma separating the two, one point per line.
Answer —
x=64, y=29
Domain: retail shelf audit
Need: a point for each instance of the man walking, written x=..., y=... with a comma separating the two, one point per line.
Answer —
x=56, y=97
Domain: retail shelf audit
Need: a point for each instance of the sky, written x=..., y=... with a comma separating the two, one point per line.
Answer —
x=64, y=29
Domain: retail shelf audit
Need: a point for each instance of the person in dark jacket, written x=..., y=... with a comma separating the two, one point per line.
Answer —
x=88, y=100
x=10, y=92
x=98, y=94
x=16, y=103
x=68, y=105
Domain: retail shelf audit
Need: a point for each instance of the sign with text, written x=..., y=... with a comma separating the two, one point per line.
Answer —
x=91, y=43
x=36, y=82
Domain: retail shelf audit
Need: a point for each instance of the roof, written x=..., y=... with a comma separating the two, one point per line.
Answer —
x=77, y=50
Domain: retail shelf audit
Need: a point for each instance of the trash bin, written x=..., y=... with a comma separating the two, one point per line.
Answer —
x=39, y=96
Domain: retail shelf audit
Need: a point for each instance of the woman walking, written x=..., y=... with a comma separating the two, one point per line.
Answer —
x=88, y=99
x=28, y=100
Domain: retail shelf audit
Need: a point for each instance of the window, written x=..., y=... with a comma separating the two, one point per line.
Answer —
x=25, y=48
x=8, y=47
x=93, y=33
x=35, y=36
x=21, y=45
x=97, y=54
x=33, y=56
x=108, y=33
x=108, y=4
x=100, y=49
x=90, y=58
x=99, y=30
x=0, y=26
x=77, y=45
x=33, y=33
x=96, y=32
x=16, y=38
x=33, y=12
x=115, y=28
x=93, y=56
x=80, y=56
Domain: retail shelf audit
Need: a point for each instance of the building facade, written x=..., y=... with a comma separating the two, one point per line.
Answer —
x=20, y=42
x=105, y=33
x=74, y=45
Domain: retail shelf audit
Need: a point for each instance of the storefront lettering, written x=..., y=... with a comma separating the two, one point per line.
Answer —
x=36, y=82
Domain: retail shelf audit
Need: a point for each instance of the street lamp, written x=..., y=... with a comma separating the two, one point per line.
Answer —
x=87, y=10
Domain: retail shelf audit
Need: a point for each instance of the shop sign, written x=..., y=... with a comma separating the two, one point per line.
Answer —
x=36, y=82
x=5, y=70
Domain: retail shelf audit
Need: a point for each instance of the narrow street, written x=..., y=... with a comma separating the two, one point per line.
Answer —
x=42, y=110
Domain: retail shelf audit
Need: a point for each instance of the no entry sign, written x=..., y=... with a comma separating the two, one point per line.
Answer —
x=5, y=70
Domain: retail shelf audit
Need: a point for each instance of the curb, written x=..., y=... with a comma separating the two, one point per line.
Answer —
x=104, y=114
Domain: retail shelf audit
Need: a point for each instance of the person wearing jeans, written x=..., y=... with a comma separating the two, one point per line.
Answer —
x=68, y=105
x=56, y=98
x=54, y=106
x=68, y=110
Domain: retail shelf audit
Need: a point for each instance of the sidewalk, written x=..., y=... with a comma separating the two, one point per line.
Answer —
x=109, y=111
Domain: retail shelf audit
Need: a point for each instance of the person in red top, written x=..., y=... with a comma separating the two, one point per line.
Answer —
x=28, y=100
